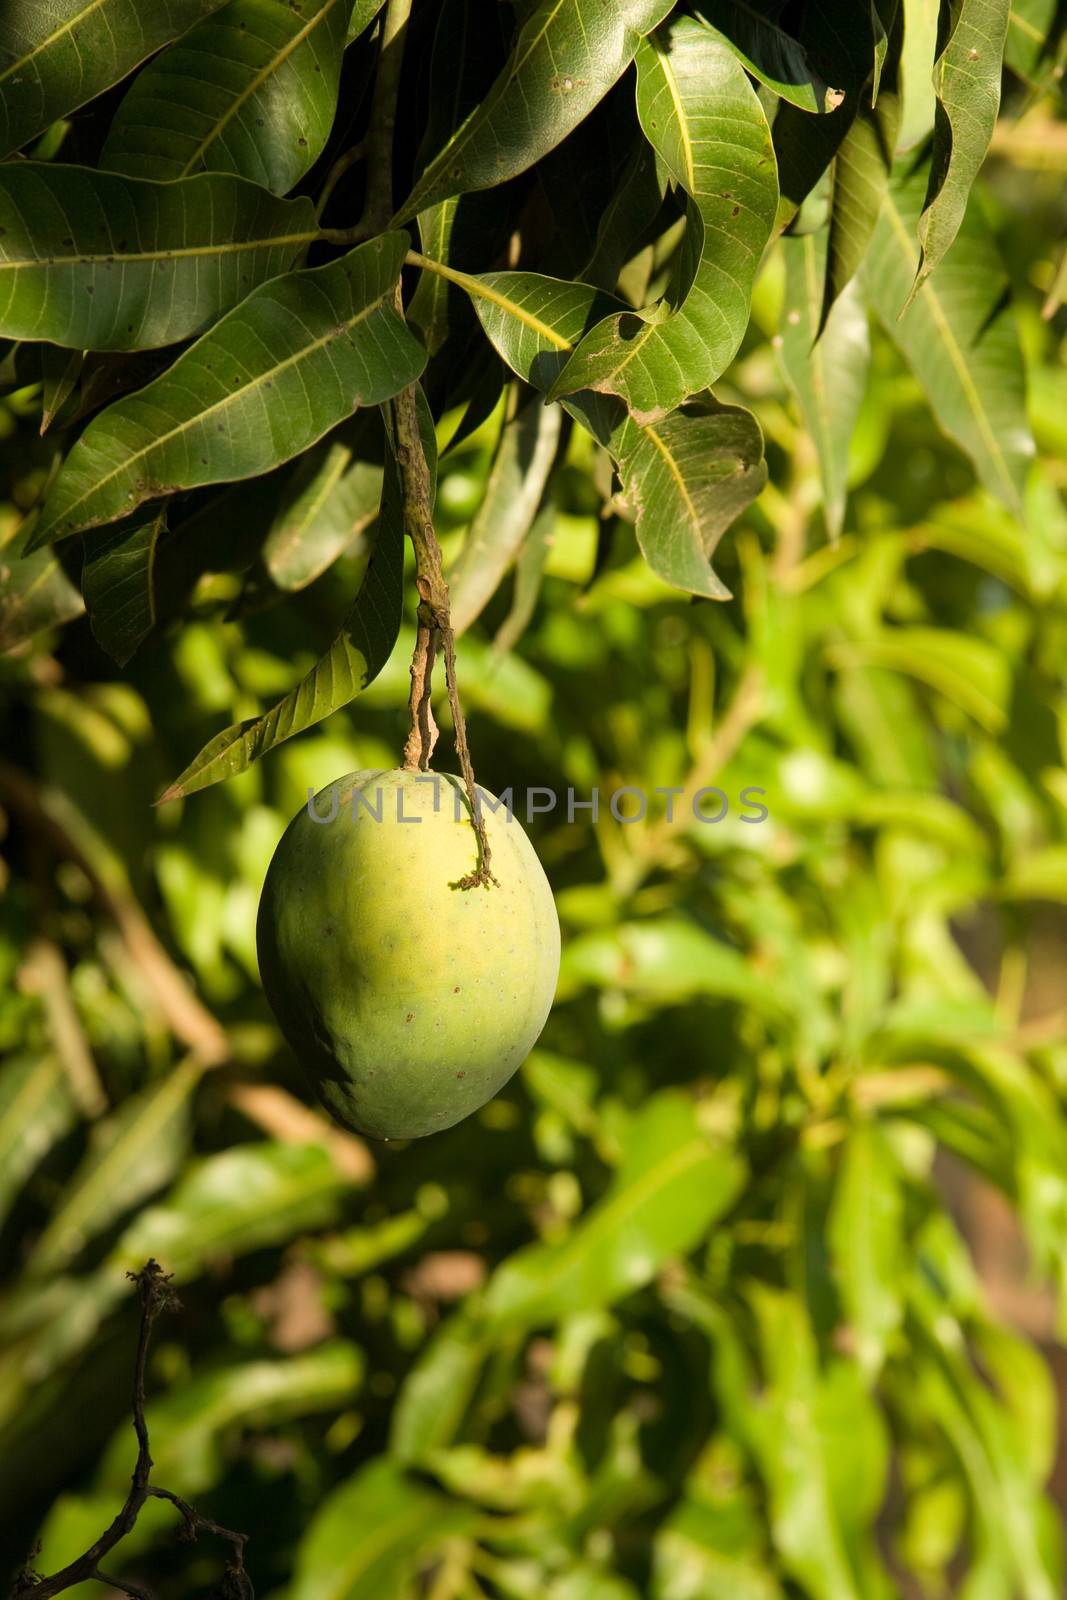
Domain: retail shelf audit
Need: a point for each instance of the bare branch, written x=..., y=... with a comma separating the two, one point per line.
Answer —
x=156, y=1296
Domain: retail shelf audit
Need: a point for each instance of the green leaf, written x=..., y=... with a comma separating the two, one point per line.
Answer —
x=959, y=337
x=438, y=1390
x=251, y=90
x=821, y=1448
x=567, y=55
x=133, y=1153
x=332, y=498
x=768, y=52
x=60, y=371
x=240, y=1200
x=866, y=1240
x=514, y=490
x=188, y=1424
x=363, y=14
x=119, y=584
x=354, y=659
x=827, y=370
x=969, y=671
x=670, y=1186
x=884, y=14
x=860, y=175
x=1035, y=31
x=967, y=83
x=36, y=1110
x=285, y=366
x=631, y=210
x=35, y=593
x=706, y=123
x=686, y=478
x=58, y=56
x=96, y=261
x=369, y=1535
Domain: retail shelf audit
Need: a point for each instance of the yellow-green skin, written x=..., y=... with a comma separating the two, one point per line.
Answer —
x=409, y=1001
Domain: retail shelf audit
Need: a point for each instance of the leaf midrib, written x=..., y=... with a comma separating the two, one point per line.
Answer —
x=117, y=259
x=57, y=33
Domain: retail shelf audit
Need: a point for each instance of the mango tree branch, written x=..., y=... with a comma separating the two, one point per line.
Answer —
x=434, y=625
x=154, y=1287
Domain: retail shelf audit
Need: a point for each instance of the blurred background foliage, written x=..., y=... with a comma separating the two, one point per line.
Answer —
x=750, y=1285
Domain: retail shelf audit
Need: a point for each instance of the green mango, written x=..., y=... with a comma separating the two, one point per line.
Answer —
x=409, y=1001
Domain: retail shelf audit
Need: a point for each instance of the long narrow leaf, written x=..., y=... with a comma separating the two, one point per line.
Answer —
x=289, y=363
x=96, y=261
x=251, y=90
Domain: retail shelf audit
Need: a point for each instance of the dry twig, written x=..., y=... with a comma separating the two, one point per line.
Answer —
x=156, y=1295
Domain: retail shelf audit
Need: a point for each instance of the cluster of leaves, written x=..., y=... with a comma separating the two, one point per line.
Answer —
x=154, y=250
x=685, y=1312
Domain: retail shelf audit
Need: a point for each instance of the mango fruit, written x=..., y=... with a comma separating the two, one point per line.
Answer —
x=408, y=1000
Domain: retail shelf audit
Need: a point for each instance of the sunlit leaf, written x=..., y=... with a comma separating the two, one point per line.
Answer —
x=332, y=497
x=828, y=370
x=699, y=111
x=132, y=1154
x=671, y=1184
x=866, y=1238
x=513, y=493
x=959, y=336
x=398, y=1521
x=967, y=83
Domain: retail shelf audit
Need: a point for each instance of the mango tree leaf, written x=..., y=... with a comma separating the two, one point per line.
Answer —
x=285, y=366
x=767, y=51
x=803, y=1460
x=354, y=659
x=240, y=1200
x=671, y=1184
x=133, y=1153
x=186, y=1424
x=567, y=55
x=860, y=178
x=866, y=1241
x=363, y=14
x=513, y=492
x=827, y=370
x=35, y=593
x=251, y=90
x=703, y=118
x=331, y=499
x=60, y=371
x=1035, y=40
x=686, y=478
x=630, y=211
x=967, y=83
x=119, y=583
x=56, y=57
x=438, y=1390
x=369, y=1535
x=93, y=260
x=884, y=14
x=968, y=671
x=36, y=1110
x=959, y=337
